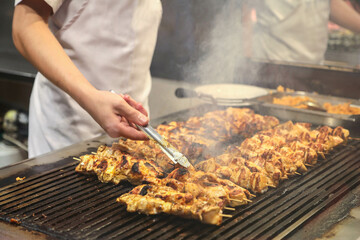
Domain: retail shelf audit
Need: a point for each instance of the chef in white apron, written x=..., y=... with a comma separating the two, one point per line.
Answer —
x=110, y=43
x=291, y=30
x=296, y=30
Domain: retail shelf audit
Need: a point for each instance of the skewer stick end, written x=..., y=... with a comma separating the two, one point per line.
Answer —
x=229, y=208
x=235, y=200
x=352, y=138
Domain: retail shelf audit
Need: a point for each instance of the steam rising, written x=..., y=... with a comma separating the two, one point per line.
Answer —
x=222, y=48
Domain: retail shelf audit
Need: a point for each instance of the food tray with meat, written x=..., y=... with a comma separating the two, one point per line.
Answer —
x=311, y=107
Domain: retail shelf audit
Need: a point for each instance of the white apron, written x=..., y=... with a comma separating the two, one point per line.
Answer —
x=291, y=30
x=112, y=43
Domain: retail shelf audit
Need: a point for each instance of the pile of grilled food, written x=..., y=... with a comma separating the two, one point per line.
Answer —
x=235, y=155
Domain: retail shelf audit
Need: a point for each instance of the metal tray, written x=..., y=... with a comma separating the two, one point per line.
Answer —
x=264, y=105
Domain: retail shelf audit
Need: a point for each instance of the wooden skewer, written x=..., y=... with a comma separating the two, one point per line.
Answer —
x=252, y=195
x=308, y=165
x=77, y=159
x=235, y=200
x=248, y=200
x=272, y=186
x=229, y=208
x=297, y=173
x=226, y=215
x=358, y=139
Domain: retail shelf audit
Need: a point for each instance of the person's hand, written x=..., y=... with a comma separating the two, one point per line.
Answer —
x=117, y=114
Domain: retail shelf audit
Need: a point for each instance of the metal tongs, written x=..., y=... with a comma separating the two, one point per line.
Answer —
x=165, y=146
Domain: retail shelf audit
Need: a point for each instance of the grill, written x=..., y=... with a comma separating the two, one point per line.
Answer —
x=64, y=204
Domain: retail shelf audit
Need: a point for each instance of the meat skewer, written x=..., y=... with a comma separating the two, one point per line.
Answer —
x=150, y=199
x=272, y=155
x=118, y=168
x=201, y=184
x=259, y=162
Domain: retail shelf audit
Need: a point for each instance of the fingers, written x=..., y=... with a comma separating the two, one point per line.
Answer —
x=122, y=128
x=132, y=133
x=133, y=111
x=134, y=104
x=115, y=115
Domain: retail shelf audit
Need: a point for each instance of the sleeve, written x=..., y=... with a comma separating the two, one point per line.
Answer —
x=54, y=4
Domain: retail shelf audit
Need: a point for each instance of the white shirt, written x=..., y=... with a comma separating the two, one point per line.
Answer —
x=112, y=43
x=291, y=30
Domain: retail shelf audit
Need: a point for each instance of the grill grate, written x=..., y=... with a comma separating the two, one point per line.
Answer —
x=68, y=205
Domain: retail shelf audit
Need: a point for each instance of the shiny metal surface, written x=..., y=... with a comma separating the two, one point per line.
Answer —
x=283, y=112
x=170, y=151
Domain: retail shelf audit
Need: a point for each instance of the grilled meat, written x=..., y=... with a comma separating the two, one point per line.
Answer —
x=201, y=184
x=150, y=199
x=119, y=167
x=261, y=161
x=272, y=155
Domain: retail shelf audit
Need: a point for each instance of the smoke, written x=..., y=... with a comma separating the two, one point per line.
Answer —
x=222, y=48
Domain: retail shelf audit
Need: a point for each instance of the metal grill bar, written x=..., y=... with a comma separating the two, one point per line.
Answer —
x=52, y=202
x=31, y=183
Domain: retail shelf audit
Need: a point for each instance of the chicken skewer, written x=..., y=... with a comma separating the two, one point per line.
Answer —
x=201, y=184
x=258, y=163
x=119, y=167
x=257, y=182
x=150, y=199
x=276, y=153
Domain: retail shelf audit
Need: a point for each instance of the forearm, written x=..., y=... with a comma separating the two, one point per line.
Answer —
x=34, y=40
x=342, y=14
x=37, y=44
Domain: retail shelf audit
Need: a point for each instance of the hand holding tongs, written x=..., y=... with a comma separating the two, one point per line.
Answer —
x=165, y=146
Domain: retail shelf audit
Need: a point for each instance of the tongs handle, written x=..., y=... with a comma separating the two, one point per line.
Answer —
x=150, y=132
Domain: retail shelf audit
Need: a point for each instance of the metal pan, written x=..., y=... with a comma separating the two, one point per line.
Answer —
x=223, y=94
x=266, y=106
